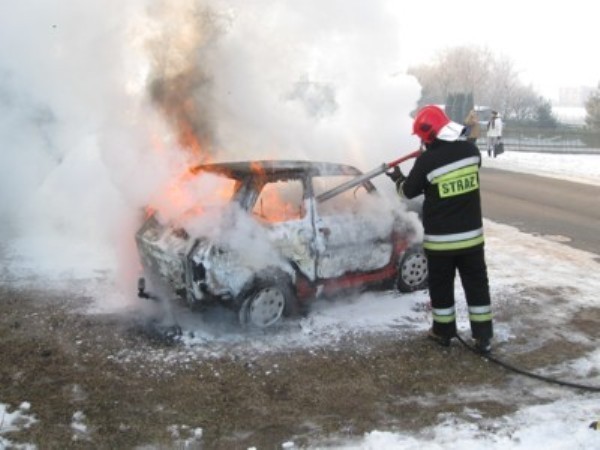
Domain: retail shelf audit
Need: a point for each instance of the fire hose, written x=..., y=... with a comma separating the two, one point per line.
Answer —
x=365, y=177
x=520, y=371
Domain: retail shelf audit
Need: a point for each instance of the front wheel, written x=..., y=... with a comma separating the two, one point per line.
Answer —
x=412, y=270
x=266, y=302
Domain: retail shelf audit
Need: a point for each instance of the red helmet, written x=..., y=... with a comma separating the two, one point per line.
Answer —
x=429, y=121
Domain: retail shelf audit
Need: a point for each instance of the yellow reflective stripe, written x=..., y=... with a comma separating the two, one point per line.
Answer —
x=456, y=174
x=453, y=245
x=480, y=317
x=480, y=313
x=454, y=237
x=445, y=315
x=444, y=319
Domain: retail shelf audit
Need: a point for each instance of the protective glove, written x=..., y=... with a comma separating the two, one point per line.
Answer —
x=396, y=175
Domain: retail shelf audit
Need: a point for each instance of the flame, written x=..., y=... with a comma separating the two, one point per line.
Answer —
x=272, y=206
x=185, y=197
x=258, y=169
x=179, y=87
x=189, y=137
x=177, y=198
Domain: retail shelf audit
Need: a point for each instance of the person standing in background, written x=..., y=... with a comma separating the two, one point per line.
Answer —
x=494, y=133
x=473, y=127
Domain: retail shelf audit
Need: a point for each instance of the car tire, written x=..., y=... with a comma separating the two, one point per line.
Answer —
x=412, y=270
x=267, y=300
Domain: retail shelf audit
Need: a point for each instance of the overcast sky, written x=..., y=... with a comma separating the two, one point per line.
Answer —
x=549, y=43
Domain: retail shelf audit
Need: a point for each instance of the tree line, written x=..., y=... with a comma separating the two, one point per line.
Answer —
x=461, y=77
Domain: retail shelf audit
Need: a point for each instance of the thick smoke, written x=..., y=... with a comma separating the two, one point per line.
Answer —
x=265, y=79
x=104, y=103
x=180, y=81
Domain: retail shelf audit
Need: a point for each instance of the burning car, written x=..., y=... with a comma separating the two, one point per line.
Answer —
x=266, y=237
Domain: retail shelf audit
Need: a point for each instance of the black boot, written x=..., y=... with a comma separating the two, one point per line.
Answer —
x=444, y=341
x=483, y=345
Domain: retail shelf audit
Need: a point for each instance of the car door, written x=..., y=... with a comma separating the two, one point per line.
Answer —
x=353, y=234
x=283, y=208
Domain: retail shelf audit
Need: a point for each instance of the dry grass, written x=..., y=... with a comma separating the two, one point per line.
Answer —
x=132, y=389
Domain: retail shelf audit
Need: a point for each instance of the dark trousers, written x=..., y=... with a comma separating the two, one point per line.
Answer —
x=473, y=275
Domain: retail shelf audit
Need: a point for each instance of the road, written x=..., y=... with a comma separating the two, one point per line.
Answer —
x=544, y=206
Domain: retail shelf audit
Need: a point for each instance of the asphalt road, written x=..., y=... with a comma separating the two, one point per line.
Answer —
x=543, y=206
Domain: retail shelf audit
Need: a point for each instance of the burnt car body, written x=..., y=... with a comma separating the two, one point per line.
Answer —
x=270, y=245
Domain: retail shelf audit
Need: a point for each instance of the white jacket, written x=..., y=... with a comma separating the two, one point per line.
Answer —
x=496, y=130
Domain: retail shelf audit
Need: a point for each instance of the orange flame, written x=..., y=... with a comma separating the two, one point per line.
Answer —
x=189, y=141
x=179, y=198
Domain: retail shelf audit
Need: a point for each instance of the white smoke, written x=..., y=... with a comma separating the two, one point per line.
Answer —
x=318, y=80
x=86, y=142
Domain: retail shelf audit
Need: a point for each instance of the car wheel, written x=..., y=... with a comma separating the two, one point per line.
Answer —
x=267, y=301
x=412, y=270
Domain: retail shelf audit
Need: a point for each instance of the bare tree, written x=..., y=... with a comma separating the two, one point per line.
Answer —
x=493, y=81
x=465, y=70
x=522, y=105
x=458, y=69
x=502, y=82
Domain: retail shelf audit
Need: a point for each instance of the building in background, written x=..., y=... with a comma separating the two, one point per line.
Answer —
x=570, y=107
x=570, y=115
x=574, y=96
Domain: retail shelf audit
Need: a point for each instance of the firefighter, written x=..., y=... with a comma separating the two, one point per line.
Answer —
x=447, y=173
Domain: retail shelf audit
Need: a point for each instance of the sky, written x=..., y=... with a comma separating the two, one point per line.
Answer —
x=550, y=44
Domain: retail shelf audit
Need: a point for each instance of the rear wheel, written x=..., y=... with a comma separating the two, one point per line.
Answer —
x=267, y=301
x=412, y=270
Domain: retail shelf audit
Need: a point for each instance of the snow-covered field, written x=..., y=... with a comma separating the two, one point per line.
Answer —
x=577, y=168
x=515, y=260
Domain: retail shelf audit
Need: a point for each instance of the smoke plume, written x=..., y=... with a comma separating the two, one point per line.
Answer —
x=104, y=103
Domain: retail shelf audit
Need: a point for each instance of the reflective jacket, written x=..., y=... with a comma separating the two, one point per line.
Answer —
x=448, y=174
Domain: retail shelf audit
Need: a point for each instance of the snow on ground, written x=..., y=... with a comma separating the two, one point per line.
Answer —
x=518, y=259
x=518, y=263
x=14, y=420
x=570, y=167
x=560, y=425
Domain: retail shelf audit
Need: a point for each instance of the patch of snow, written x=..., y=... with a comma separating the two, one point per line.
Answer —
x=564, y=424
x=185, y=436
x=16, y=420
x=80, y=429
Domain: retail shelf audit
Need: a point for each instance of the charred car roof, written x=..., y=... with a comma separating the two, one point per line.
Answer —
x=276, y=169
